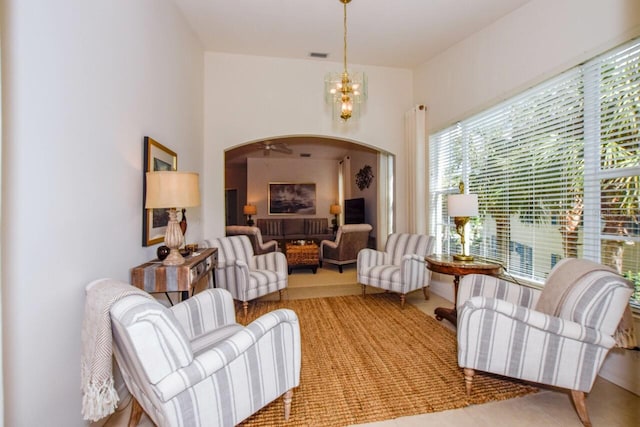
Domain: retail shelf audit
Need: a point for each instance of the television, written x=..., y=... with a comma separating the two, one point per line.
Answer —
x=354, y=211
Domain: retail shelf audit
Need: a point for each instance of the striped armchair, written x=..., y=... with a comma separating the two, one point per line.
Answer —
x=245, y=275
x=193, y=364
x=558, y=336
x=400, y=268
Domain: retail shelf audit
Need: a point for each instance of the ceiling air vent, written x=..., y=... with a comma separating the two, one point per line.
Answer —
x=318, y=55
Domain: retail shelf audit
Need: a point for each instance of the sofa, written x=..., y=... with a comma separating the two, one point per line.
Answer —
x=295, y=228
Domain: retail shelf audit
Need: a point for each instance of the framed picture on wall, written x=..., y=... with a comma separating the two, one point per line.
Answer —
x=157, y=157
x=292, y=199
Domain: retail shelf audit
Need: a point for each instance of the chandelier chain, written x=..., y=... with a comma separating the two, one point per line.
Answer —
x=345, y=37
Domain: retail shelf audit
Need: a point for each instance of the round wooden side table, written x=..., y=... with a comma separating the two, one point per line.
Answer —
x=445, y=264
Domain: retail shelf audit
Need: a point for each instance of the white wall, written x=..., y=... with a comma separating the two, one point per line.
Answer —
x=250, y=98
x=526, y=47
x=322, y=172
x=530, y=45
x=83, y=83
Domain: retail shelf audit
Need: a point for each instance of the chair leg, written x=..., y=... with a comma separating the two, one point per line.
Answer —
x=245, y=308
x=136, y=412
x=364, y=288
x=288, y=397
x=426, y=292
x=468, y=379
x=340, y=269
x=403, y=298
x=581, y=407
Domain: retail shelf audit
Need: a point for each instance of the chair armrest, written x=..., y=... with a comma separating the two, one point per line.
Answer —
x=535, y=319
x=268, y=245
x=414, y=271
x=328, y=243
x=222, y=353
x=207, y=310
x=492, y=287
x=368, y=257
x=274, y=261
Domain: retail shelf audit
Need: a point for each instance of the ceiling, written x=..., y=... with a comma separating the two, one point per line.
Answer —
x=391, y=33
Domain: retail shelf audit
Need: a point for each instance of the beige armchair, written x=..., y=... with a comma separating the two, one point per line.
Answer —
x=255, y=236
x=193, y=364
x=558, y=336
x=350, y=239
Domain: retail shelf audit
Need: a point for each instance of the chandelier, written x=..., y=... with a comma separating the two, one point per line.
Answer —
x=345, y=92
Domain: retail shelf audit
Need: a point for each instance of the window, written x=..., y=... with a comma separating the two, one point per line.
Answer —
x=556, y=170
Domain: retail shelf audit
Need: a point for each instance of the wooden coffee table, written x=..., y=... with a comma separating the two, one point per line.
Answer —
x=302, y=254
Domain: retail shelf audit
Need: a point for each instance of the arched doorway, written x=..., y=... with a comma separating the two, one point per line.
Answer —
x=250, y=167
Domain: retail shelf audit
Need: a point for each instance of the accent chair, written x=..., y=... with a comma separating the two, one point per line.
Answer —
x=245, y=275
x=350, y=239
x=400, y=267
x=255, y=236
x=558, y=336
x=192, y=364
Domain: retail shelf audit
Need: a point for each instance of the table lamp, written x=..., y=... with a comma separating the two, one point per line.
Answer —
x=172, y=189
x=335, y=210
x=249, y=210
x=461, y=207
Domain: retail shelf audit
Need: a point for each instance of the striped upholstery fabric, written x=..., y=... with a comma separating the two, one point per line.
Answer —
x=401, y=267
x=245, y=275
x=227, y=380
x=499, y=331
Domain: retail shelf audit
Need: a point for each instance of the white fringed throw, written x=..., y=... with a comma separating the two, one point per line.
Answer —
x=99, y=396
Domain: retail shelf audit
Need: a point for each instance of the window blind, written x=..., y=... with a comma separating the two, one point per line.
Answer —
x=556, y=170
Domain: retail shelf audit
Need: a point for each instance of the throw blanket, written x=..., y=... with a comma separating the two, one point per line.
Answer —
x=560, y=282
x=99, y=396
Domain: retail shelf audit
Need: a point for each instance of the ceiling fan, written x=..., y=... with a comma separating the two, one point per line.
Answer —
x=278, y=147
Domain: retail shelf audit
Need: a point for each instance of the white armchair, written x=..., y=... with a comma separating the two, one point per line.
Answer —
x=245, y=275
x=193, y=364
x=558, y=336
x=400, y=268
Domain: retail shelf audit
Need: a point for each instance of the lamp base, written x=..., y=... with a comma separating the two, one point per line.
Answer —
x=174, y=258
x=460, y=257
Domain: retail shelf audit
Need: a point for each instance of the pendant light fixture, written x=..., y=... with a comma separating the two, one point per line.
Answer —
x=345, y=92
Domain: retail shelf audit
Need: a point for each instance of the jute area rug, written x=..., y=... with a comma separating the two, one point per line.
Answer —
x=366, y=360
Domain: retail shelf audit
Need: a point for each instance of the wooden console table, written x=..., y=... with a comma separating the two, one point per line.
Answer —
x=152, y=276
x=445, y=264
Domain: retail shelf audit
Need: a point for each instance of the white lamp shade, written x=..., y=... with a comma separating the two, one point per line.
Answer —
x=462, y=204
x=172, y=189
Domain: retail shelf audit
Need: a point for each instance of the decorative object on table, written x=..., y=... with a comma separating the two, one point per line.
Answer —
x=183, y=222
x=294, y=199
x=172, y=189
x=364, y=177
x=335, y=210
x=157, y=157
x=163, y=252
x=461, y=207
x=250, y=210
x=343, y=91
